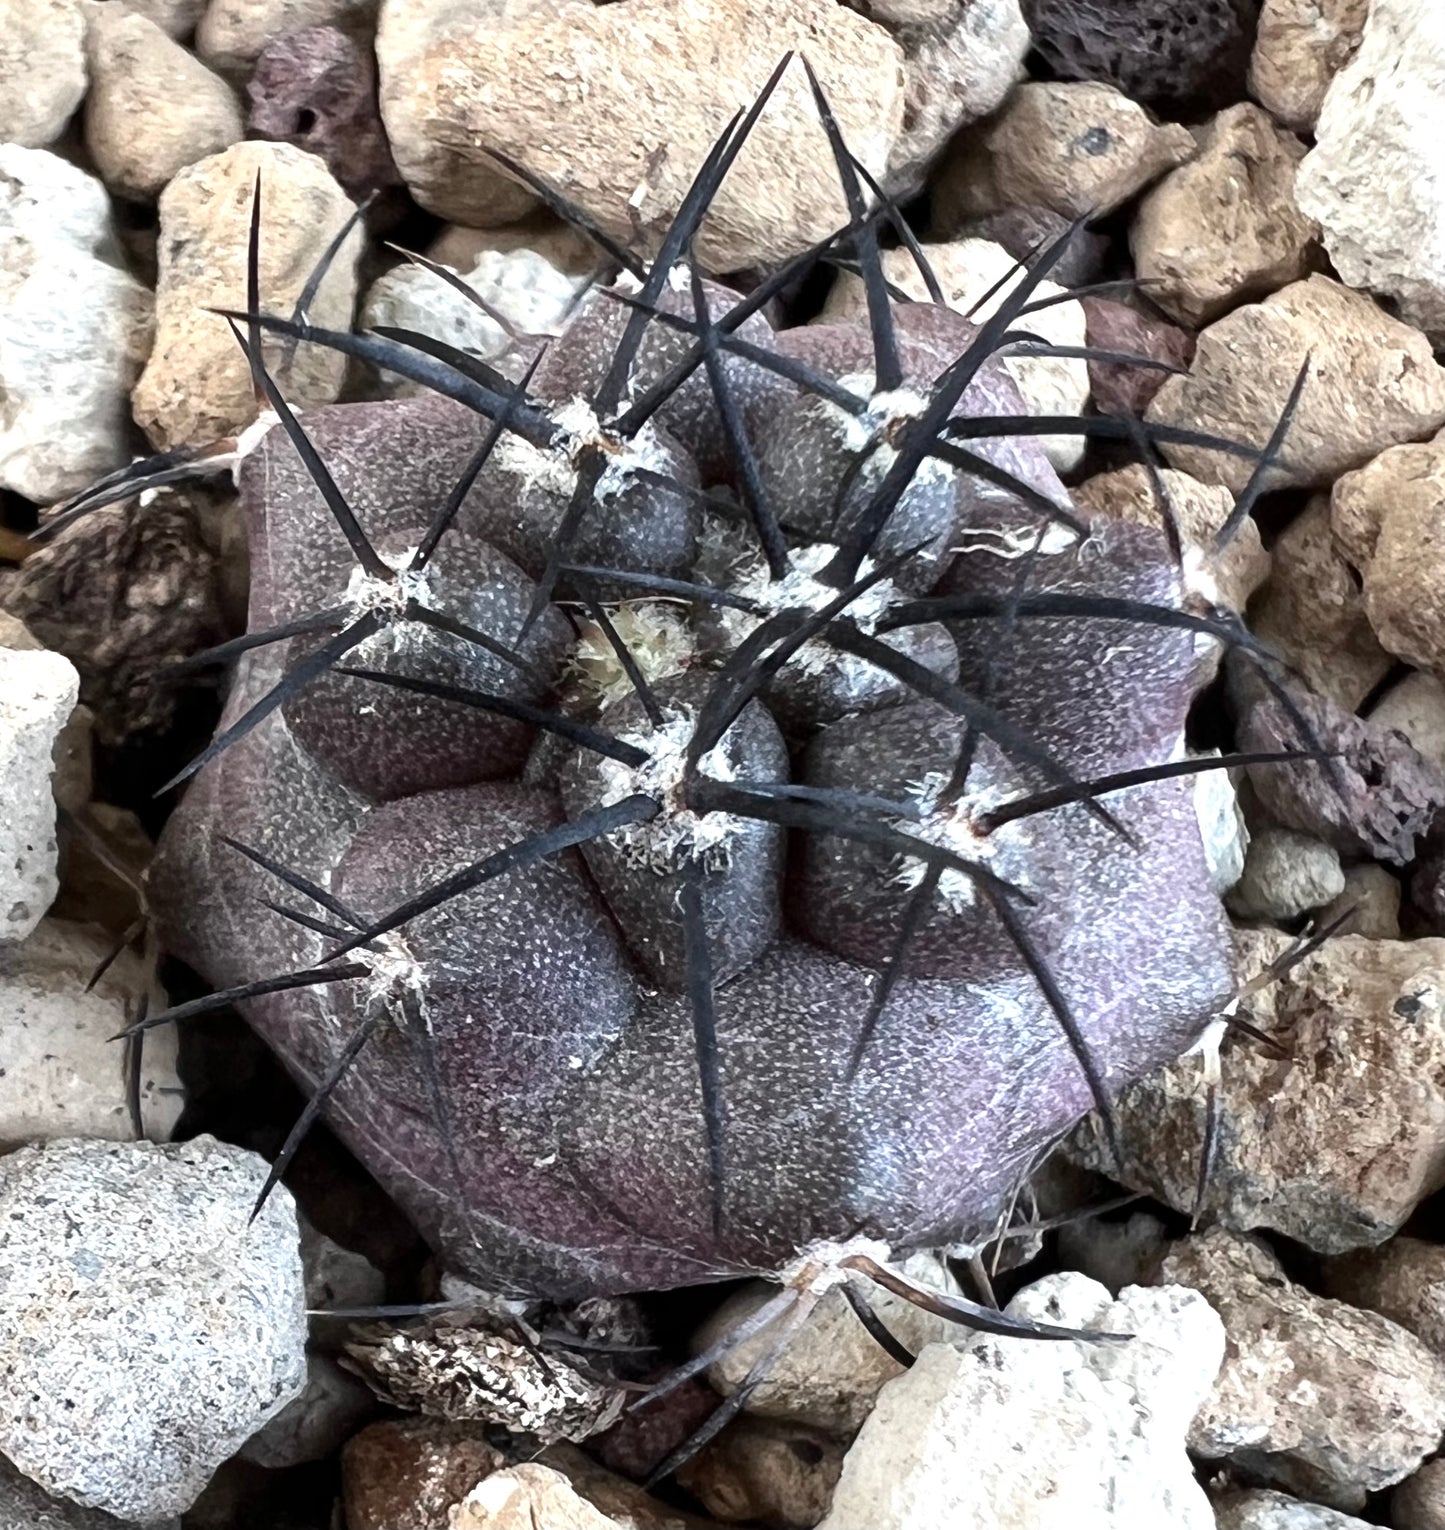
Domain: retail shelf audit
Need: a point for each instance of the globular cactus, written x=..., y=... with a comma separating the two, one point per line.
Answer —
x=711, y=802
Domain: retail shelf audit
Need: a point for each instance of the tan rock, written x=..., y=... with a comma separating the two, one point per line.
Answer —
x=1299, y=48
x=197, y=387
x=1371, y=900
x=976, y=276
x=412, y=1471
x=153, y=107
x=832, y=1369
x=1075, y=148
x=1390, y=518
x=1419, y=1501
x=1336, y=1142
x=1346, y=1393
x=233, y=32
x=606, y=109
x=1312, y=614
x=760, y=1469
x=176, y=18
x=1224, y=229
x=1373, y=383
x=1416, y=707
x=527, y=1498
x=42, y=69
x=1199, y=509
x=456, y=185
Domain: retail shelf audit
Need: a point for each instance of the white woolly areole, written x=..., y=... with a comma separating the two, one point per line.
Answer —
x=1010, y=542
x=388, y=598
x=954, y=827
x=818, y=1267
x=250, y=438
x=654, y=632
x=884, y=411
x=393, y=972
x=800, y=589
x=555, y=468
x=677, y=834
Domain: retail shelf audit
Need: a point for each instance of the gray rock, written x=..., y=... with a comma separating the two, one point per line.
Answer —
x=1403, y=1280
x=333, y=1406
x=42, y=69
x=74, y=329
x=337, y=1276
x=1018, y=1435
x=1371, y=899
x=37, y=694
x=1260, y=1509
x=1347, y=1394
x=1116, y=1254
x=1334, y=1142
x=63, y=1075
x=24, y=1506
x=1418, y=1503
x=146, y=1329
x=1285, y=875
x=960, y=60
x=1370, y=179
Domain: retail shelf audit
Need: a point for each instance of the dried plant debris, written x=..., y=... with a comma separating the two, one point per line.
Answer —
x=449, y=1369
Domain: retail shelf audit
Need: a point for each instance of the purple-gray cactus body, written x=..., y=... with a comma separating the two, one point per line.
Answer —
x=571, y=1156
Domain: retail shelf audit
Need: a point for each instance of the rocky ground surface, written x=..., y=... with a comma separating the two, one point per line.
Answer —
x=1262, y=186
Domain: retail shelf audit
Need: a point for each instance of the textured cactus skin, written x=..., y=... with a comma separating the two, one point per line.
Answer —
x=562, y=1039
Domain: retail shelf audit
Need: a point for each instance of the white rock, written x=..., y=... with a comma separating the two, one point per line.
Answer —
x=37, y=693
x=146, y=1329
x=64, y=1076
x=24, y=1506
x=832, y=1369
x=1221, y=827
x=1018, y=1434
x=74, y=329
x=1286, y=874
x=522, y=285
x=1261, y=1509
x=1372, y=179
x=42, y=69
x=960, y=60
x=967, y=269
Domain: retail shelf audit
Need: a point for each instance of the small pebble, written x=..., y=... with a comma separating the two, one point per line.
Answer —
x=1347, y=1394
x=147, y=1329
x=1334, y=1144
x=64, y=1074
x=153, y=107
x=1076, y=149
x=1286, y=874
x=1299, y=47
x=42, y=69
x=1370, y=178
x=1373, y=383
x=39, y=690
x=1010, y=1432
x=1224, y=228
x=197, y=386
